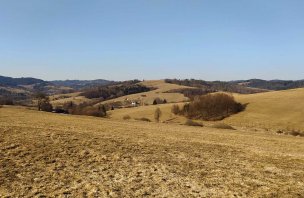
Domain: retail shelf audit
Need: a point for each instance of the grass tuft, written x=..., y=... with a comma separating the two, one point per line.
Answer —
x=126, y=117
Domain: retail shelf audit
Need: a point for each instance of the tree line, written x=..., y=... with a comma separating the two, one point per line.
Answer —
x=209, y=107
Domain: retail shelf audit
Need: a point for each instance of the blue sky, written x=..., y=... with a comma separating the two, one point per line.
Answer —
x=152, y=39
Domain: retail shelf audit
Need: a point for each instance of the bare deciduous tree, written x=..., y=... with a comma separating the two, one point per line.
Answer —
x=157, y=114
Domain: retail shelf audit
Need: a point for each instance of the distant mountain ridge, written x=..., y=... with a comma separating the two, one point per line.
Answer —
x=78, y=84
x=240, y=86
x=272, y=84
x=22, y=89
x=75, y=84
x=9, y=81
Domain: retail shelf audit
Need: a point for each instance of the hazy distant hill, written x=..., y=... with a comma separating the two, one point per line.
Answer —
x=79, y=84
x=8, y=81
x=22, y=89
x=240, y=86
x=213, y=86
x=272, y=84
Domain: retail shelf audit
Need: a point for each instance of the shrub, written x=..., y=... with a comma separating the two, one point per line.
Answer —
x=45, y=105
x=223, y=126
x=280, y=132
x=159, y=101
x=295, y=133
x=69, y=106
x=175, y=109
x=157, y=114
x=60, y=110
x=85, y=109
x=143, y=119
x=192, y=123
x=212, y=107
x=6, y=101
x=126, y=117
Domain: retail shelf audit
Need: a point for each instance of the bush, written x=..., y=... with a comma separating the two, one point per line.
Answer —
x=159, y=101
x=212, y=107
x=6, y=101
x=280, y=132
x=223, y=126
x=192, y=123
x=143, y=119
x=99, y=111
x=175, y=109
x=295, y=133
x=46, y=106
x=60, y=110
x=84, y=109
x=126, y=117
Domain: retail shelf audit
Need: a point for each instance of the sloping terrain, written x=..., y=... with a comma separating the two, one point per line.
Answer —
x=21, y=90
x=148, y=112
x=159, y=86
x=272, y=84
x=60, y=99
x=273, y=110
x=51, y=155
x=160, y=92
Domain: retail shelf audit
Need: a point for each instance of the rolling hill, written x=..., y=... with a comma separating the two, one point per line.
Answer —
x=272, y=111
x=44, y=154
x=276, y=109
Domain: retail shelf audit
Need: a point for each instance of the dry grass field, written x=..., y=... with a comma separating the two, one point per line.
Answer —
x=160, y=91
x=148, y=112
x=52, y=155
x=60, y=99
x=146, y=97
x=272, y=110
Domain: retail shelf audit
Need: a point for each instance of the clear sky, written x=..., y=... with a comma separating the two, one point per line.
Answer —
x=152, y=39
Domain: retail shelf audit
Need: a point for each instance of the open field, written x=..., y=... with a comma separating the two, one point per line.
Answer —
x=45, y=154
x=60, y=99
x=275, y=110
x=272, y=110
x=145, y=97
x=160, y=88
x=148, y=112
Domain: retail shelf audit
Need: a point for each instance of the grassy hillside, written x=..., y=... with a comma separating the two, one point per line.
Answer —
x=277, y=109
x=161, y=88
x=60, y=99
x=144, y=97
x=45, y=154
x=271, y=111
x=148, y=112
